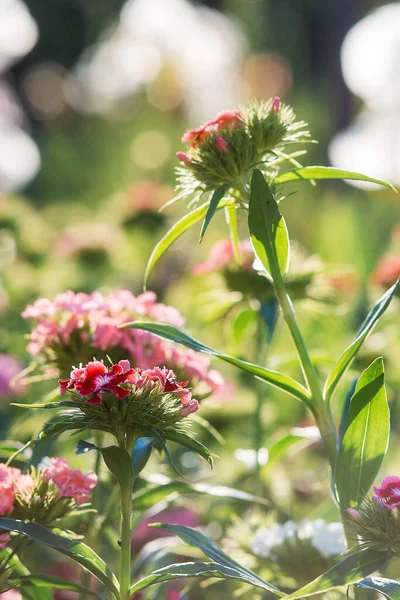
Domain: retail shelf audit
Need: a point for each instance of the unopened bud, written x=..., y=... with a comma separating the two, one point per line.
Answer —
x=221, y=144
x=276, y=104
x=353, y=514
x=183, y=157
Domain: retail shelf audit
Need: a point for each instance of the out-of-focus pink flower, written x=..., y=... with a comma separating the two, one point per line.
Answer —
x=388, y=493
x=11, y=595
x=387, y=271
x=276, y=104
x=183, y=157
x=227, y=118
x=221, y=144
x=178, y=516
x=353, y=514
x=7, y=497
x=71, y=483
x=95, y=379
x=9, y=369
x=222, y=256
x=4, y=539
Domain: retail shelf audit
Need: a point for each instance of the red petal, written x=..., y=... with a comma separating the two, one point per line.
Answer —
x=94, y=369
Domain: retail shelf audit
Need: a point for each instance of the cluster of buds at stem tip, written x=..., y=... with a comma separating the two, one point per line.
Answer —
x=225, y=149
x=376, y=523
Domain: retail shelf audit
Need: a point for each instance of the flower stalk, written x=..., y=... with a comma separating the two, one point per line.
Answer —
x=125, y=556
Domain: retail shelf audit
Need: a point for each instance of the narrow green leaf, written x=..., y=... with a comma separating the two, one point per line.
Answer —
x=316, y=172
x=141, y=454
x=146, y=498
x=365, y=439
x=267, y=227
x=158, y=437
x=194, y=569
x=178, y=229
x=73, y=548
x=212, y=207
x=198, y=540
x=231, y=219
x=387, y=587
x=351, y=569
x=188, y=442
x=349, y=354
x=51, y=582
x=279, y=380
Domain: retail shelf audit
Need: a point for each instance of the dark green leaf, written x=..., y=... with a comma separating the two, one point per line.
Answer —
x=279, y=380
x=348, y=355
x=316, y=172
x=197, y=569
x=50, y=582
x=267, y=227
x=73, y=548
x=365, y=439
x=119, y=463
x=386, y=587
x=178, y=229
x=188, y=442
x=158, y=437
x=350, y=569
x=212, y=207
x=82, y=447
x=198, y=540
x=141, y=454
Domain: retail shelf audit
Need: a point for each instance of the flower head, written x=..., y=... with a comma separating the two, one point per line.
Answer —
x=95, y=379
x=11, y=595
x=71, y=483
x=227, y=118
x=388, y=493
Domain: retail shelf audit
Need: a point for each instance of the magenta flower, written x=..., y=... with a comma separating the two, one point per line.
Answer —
x=227, y=118
x=183, y=157
x=276, y=104
x=95, y=379
x=388, y=494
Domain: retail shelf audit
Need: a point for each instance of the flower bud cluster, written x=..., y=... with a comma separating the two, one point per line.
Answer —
x=224, y=149
x=43, y=495
x=126, y=401
x=76, y=327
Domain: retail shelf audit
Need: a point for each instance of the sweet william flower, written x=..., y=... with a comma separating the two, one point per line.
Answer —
x=11, y=595
x=71, y=483
x=223, y=120
x=388, y=493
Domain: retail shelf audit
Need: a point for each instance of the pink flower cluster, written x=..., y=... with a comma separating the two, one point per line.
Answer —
x=227, y=118
x=11, y=595
x=222, y=256
x=388, y=493
x=71, y=483
x=387, y=271
x=94, y=379
x=9, y=368
x=96, y=318
x=12, y=483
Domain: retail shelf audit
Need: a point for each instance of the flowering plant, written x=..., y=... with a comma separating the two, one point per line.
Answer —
x=133, y=390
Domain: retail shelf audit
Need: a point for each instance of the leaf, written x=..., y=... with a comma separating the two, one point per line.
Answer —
x=141, y=454
x=178, y=229
x=348, y=355
x=119, y=463
x=157, y=435
x=188, y=442
x=146, y=498
x=365, y=439
x=351, y=569
x=198, y=540
x=194, y=569
x=231, y=219
x=212, y=207
x=386, y=587
x=83, y=447
x=49, y=581
x=267, y=227
x=75, y=549
x=279, y=380
x=316, y=172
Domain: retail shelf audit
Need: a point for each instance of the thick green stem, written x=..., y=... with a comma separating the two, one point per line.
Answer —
x=125, y=557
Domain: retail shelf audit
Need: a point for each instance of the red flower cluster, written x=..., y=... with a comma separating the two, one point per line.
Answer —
x=388, y=494
x=225, y=119
x=94, y=379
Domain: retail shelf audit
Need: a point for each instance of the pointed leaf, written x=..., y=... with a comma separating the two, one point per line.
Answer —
x=279, y=380
x=119, y=463
x=212, y=207
x=178, y=229
x=195, y=569
x=188, y=442
x=158, y=437
x=349, y=354
x=231, y=219
x=267, y=227
x=387, y=587
x=73, y=548
x=141, y=454
x=316, y=172
x=365, y=439
x=83, y=447
x=350, y=569
x=198, y=540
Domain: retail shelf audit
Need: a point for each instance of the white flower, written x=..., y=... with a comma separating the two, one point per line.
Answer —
x=328, y=538
x=267, y=538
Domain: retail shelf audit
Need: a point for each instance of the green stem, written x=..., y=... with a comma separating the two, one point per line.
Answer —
x=125, y=556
